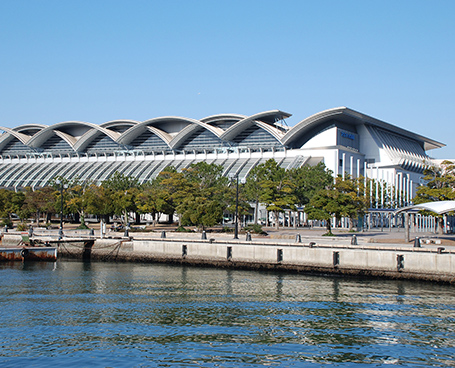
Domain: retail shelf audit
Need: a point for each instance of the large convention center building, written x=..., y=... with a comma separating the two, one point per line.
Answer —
x=348, y=142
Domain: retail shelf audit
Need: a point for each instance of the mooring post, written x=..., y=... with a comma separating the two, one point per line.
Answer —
x=406, y=226
x=354, y=240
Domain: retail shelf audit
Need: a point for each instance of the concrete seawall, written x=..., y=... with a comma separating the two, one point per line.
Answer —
x=389, y=261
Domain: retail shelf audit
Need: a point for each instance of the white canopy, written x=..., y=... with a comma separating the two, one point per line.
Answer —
x=436, y=207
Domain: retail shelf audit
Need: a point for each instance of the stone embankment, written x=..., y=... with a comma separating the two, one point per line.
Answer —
x=335, y=256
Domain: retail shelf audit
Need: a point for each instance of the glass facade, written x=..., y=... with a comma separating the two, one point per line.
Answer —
x=255, y=136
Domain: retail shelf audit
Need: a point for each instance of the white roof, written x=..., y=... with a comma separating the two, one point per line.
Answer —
x=439, y=207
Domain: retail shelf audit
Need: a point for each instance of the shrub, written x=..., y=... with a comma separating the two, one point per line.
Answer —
x=255, y=228
x=6, y=222
x=182, y=229
x=22, y=227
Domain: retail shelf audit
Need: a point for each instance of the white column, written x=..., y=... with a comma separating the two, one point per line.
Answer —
x=337, y=163
x=351, y=166
x=408, y=181
x=371, y=187
x=343, y=166
x=411, y=194
x=377, y=187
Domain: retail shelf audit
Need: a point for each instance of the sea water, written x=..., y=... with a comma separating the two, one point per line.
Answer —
x=75, y=314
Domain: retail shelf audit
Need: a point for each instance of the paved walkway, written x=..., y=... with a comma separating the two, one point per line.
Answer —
x=393, y=238
x=375, y=238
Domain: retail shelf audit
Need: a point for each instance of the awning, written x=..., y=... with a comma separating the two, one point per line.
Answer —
x=439, y=207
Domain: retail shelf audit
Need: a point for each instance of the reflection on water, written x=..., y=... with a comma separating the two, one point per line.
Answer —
x=102, y=314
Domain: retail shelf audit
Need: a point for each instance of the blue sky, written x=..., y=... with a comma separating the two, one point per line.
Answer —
x=99, y=61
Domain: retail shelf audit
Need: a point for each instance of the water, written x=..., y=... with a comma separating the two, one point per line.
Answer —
x=78, y=314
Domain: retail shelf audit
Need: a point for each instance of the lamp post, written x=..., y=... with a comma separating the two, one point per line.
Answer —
x=236, y=230
x=60, y=231
x=236, y=226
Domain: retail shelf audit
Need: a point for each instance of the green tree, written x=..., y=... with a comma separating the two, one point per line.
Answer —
x=39, y=201
x=276, y=189
x=252, y=188
x=123, y=190
x=175, y=184
x=10, y=202
x=353, y=201
x=343, y=198
x=98, y=200
x=77, y=198
x=154, y=198
x=201, y=198
x=440, y=186
x=308, y=180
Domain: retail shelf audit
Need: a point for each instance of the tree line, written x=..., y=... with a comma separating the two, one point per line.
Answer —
x=199, y=195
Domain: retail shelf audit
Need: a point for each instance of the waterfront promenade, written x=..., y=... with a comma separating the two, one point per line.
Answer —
x=372, y=238
x=382, y=254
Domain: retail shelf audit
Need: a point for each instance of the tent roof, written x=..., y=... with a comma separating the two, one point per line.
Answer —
x=437, y=207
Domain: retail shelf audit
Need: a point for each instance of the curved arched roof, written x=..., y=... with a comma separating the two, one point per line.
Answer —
x=268, y=116
x=166, y=137
x=173, y=131
x=91, y=134
x=220, y=117
x=119, y=123
x=189, y=130
x=306, y=125
x=26, y=127
x=21, y=137
x=318, y=121
x=131, y=133
x=39, y=138
x=438, y=207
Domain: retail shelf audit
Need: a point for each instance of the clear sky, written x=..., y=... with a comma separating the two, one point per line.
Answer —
x=97, y=61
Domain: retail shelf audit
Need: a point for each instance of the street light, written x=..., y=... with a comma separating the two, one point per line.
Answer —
x=60, y=231
x=236, y=228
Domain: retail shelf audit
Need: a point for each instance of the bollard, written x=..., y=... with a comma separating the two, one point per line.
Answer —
x=336, y=259
x=92, y=232
x=248, y=236
x=279, y=255
x=163, y=234
x=204, y=235
x=417, y=242
x=298, y=238
x=400, y=262
x=354, y=240
x=229, y=253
